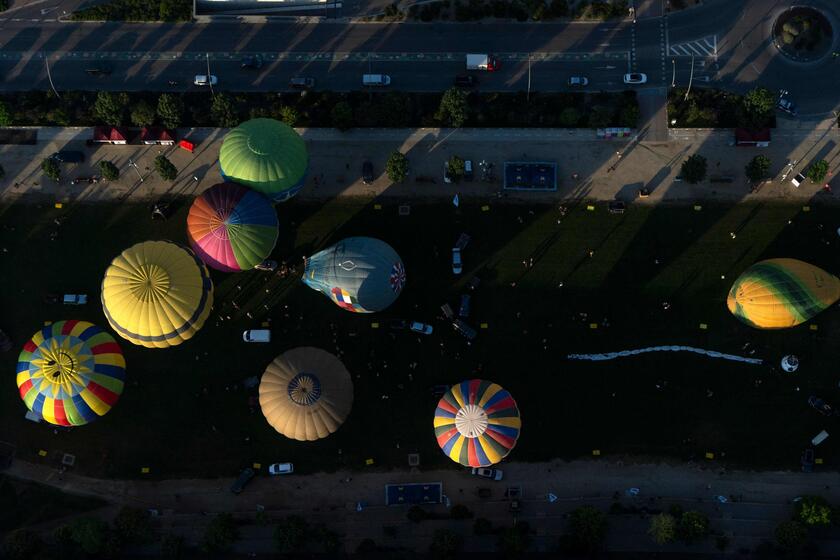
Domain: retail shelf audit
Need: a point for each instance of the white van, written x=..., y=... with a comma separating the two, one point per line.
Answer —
x=376, y=80
x=486, y=62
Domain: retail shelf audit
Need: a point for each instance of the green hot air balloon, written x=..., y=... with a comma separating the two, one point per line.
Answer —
x=267, y=156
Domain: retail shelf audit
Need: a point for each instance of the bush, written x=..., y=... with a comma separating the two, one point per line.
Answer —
x=137, y=10
x=588, y=526
x=165, y=168
x=694, y=169
x=456, y=168
x=109, y=108
x=482, y=526
x=445, y=544
x=663, y=528
x=132, y=525
x=813, y=511
x=459, y=511
x=89, y=534
x=569, y=117
x=170, y=109
x=289, y=115
x=514, y=541
x=341, y=116
x=21, y=544
x=51, y=169
x=290, y=534
x=109, y=171
x=453, y=108
x=397, y=167
x=600, y=117
x=5, y=115
x=756, y=170
x=220, y=534
x=791, y=535
x=818, y=171
x=693, y=526
x=223, y=111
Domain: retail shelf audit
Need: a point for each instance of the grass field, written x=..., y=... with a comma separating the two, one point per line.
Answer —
x=185, y=412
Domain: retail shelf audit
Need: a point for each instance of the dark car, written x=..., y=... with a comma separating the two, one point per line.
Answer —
x=820, y=406
x=100, y=70
x=68, y=156
x=464, y=309
x=465, y=80
x=398, y=324
x=808, y=460
x=254, y=62
x=367, y=172
x=785, y=104
x=302, y=83
x=88, y=180
x=244, y=478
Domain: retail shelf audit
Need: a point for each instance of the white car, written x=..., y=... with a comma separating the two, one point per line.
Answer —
x=421, y=328
x=203, y=80
x=578, y=81
x=281, y=468
x=447, y=178
x=635, y=78
x=257, y=335
x=492, y=474
x=798, y=180
x=456, y=260
x=75, y=299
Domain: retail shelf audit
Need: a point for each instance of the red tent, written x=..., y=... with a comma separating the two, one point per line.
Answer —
x=110, y=135
x=157, y=135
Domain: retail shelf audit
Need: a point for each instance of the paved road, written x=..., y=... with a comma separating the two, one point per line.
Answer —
x=728, y=38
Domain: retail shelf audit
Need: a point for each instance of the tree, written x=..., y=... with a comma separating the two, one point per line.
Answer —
x=90, y=534
x=514, y=541
x=818, y=171
x=51, y=169
x=813, y=511
x=290, y=534
x=459, y=511
x=397, y=167
x=289, y=115
x=170, y=109
x=588, y=526
x=482, y=526
x=456, y=168
x=693, y=526
x=453, y=107
x=663, y=528
x=757, y=169
x=21, y=544
x=220, y=534
x=791, y=535
x=165, y=168
x=109, y=108
x=446, y=544
x=694, y=169
x=600, y=116
x=109, y=170
x=341, y=116
x=5, y=115
x=142, y=114
x=223, y=112
x=133, y=525
x=172, y=546
x=756, y=108
x=568, y=117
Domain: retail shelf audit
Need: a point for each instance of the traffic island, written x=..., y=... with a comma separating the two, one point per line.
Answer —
x=803, y=34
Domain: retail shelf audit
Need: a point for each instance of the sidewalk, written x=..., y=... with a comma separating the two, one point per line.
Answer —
x=186, y=506
x=336, y=161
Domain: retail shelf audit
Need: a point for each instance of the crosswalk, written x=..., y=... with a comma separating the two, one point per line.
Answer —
x=705, y=47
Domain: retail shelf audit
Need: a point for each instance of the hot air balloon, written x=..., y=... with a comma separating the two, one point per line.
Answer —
x=781, y=293
x=306, y=393
x=232, y=228
x=267, y=156
x=477, y=423
x=70, y=373
x=359, y=274
x=157, y=294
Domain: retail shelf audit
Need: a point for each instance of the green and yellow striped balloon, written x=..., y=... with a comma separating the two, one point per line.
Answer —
x=781, y=293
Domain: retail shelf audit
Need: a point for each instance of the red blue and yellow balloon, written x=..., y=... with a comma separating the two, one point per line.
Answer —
x=477, y=423
x=70, y=373
x=232, y=228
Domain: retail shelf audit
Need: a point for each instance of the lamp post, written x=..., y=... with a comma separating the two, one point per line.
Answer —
x=134, y=165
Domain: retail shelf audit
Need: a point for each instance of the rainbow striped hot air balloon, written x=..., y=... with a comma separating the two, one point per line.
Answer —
x=70, y=373
x=231, y=227
x=781, y=293
x=477, y=423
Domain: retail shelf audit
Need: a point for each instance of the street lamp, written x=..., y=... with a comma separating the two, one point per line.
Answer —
x=673, y=71
x=133, y=164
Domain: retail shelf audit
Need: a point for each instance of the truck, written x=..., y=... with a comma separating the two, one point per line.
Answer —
x=486, y=62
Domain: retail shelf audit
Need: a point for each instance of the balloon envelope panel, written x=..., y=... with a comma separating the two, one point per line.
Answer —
x=781, y=293
x=359, y=274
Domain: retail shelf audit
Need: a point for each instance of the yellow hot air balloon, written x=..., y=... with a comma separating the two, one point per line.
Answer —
x=781, y=293
x=157, y=294
x=306, y=393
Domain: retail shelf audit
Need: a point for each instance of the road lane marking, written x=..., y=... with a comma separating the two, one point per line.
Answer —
x=704, y=47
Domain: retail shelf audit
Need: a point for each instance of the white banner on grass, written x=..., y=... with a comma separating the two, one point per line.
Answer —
x=625, y=353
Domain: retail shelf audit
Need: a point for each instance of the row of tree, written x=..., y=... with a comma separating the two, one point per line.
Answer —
x=694, y=169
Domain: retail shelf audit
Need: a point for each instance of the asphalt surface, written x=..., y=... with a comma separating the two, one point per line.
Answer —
x=729, y=41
